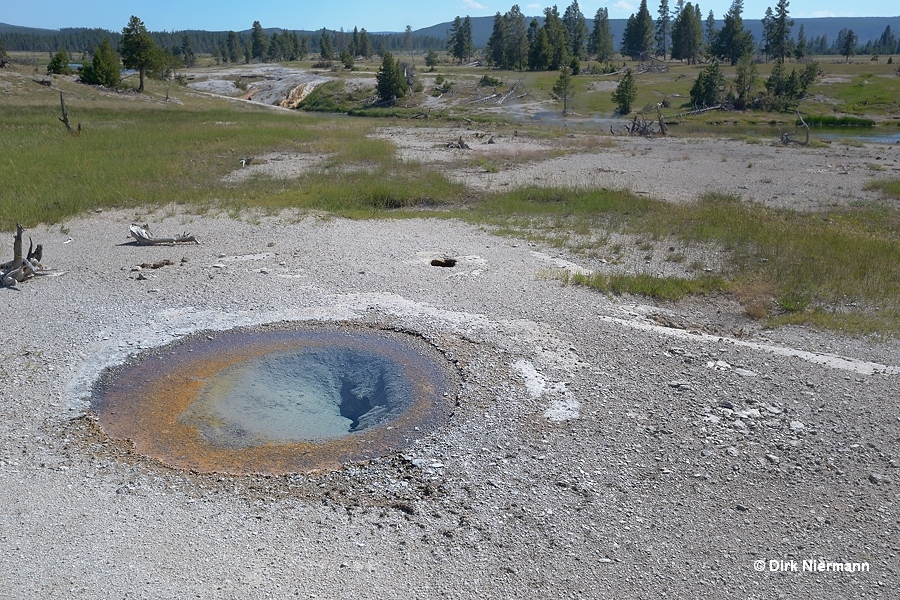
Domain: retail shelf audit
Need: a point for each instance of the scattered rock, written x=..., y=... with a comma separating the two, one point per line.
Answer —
x=444, y=261
x=680, y=383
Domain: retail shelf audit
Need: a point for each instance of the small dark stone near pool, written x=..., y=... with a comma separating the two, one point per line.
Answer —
x=443, y=262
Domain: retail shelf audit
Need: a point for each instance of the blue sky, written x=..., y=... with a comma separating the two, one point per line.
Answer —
x=223, y=15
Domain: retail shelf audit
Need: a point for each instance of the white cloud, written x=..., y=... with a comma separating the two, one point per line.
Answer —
x=533, y=6
x=624, y=6
x=474, y=5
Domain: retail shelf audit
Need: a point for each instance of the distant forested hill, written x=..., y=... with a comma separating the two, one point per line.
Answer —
x=77, y=40
x=866, y=28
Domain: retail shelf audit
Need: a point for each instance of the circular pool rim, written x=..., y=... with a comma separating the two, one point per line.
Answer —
x=140, y=400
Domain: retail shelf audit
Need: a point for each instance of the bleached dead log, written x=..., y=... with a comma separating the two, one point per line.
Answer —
x=512, y=90
x=698, y=111
x=640, y=126
x=663, y=128
x=21, y=267
x=787, y=138
x=483, y=99
x=145, y=237
x=65, y=117
x=459, y=144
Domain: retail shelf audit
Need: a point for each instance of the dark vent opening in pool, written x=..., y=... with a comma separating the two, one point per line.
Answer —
x=276, y=400
x=357, y=406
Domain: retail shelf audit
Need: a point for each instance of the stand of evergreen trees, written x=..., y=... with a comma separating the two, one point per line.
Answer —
x=83, y=41
x=516, y=41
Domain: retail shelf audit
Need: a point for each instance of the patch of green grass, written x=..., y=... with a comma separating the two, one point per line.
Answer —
x=650, y=286
x=854, y=323
x=835, y=121
x=150, y=153
x=890, y=187
x=807, y=262
x=868, y=93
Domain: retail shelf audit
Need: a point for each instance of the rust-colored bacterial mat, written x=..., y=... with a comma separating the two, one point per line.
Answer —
x=275, y=400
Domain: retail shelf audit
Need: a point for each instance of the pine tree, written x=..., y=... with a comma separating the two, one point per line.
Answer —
x=259, y=44
x=848, y=48
x=390, y=82
x=781, y=31
x=233, y=47
x=408, y=39
x=626, y=93
x=709, y=87
x=637, y=40
x=456, y=39
x=768, y=24
x=137, y=48
x=710, y=32
x=104, y=68
x=687, y=36
x=517, y=39
x=495, y=51
x=365, y=44
x=601, y=43
x=733, y=41
x=557, y=38
x=576, y=29
x=540, y=55
x=468, y=46
x=663, y=29
x=326, y=46
x=801, y=49
x=564, y=87
x=59, y=63
x=745, y=81
x=187, y=52
x=354, y=43
x=431, y=59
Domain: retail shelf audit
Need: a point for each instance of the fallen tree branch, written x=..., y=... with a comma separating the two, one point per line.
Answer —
x=787, y=138
x=144, y=237
x=459, y=144
x=21, y=267
x=663, y=128
x=65, y=117
x=698, y=111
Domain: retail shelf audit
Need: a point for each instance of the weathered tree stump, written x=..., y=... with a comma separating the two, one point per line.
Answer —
x=21, y=267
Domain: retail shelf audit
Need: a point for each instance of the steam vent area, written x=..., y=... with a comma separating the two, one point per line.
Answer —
x=302, y=406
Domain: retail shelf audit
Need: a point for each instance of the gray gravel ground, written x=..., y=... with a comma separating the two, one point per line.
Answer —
x=593, y=453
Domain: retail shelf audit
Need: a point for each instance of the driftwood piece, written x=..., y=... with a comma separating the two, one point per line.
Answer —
x=787, y=137
x=483, y=98
x=698, y=111
x=145, y=237
x=640, y=126
x=21, y=267
x=459, y=144
x=663, y=128
x=65, y=117
x=512, y=90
